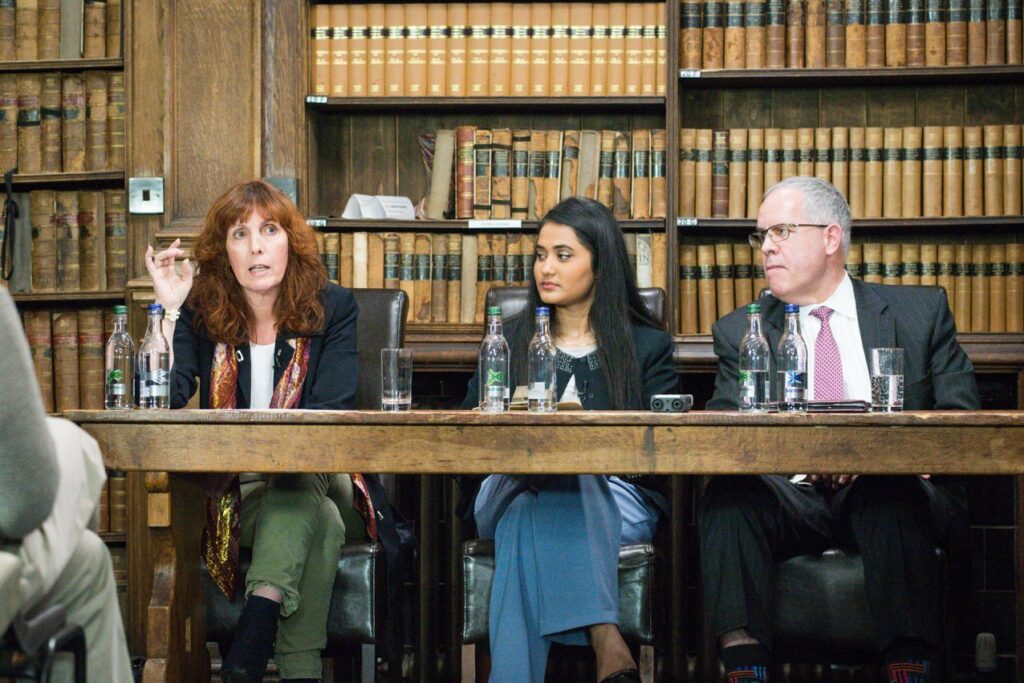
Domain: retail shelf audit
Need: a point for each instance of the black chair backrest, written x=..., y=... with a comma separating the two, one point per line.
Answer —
x=513, y=300
x=381, y=325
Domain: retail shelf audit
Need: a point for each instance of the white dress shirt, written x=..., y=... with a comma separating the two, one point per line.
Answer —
x=846, y=331
x=261, y=363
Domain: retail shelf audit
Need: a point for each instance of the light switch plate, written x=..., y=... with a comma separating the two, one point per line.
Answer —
x=145, y=195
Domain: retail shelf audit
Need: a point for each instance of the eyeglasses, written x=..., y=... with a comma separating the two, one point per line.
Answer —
x=778, y=232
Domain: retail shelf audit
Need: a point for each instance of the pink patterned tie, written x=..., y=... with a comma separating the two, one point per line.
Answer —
x=828, y=366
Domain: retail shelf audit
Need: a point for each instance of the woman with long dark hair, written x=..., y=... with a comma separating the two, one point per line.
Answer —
x=557, y=538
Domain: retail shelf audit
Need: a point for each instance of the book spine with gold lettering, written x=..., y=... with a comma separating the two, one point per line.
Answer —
x=457, y=46
x=589, y=171
x=691, y=25
x=580, y=20
x=874, y=141
x=118, y=484
x=910, y=264
x=855, y=261
x=935, y=33
x=478, y=47
x=773, y=154
x=1014, y=45
x=394, y=49
x=92, y=254
x=376, y=50
x=754, y=24
x=519, y=73
x=713, y=35
x=823, y=154
x=320, y=30
x=857, y=162
x=891, y=270
x=775, y=34
x=358, y=45
x=392, y=261
x=520, y=174
x=735, y=49
x=112, y=30
x=992, y=137
x=90, y=359
x=737, y=173
x=659, y=174
x=640, y=165
x=874, y=33
x=841, y=160
x=974, y=161
x=500, y=64
x=956, y=33
x=501, y=173
x=703, y=174
x=856, y=47
x=375, y=260
x=835, y=34
x=50, y=129
x=995, y=34
x=407, y=270
x=725, y=294
x=706, y=300
x=892, y=173
x=94, y=30
x=528, y=249
x=1015, y=288
x=952, y=171
x=931, y=163
x=742, y=275
x=338, y=50
x=361, y=260
x=514, y=259
x=929, y=264
x=44, y=240
x=438, y=278
x=96, y=123
x=116, y=131
x=115, y=239
x=437, y=49
x=26, y=36
x=29, y=130
x=814, y=34
x=790, y=153
x=621, y=177
x=9, y=121
x=895, y=33
x=687, y=171
x=484, y=272
x=720, y=174
x=465, y=141
x=687, y=289
x=805, y=151
x=65, y=360
x=962, y=287
x=482, y=174
x=40, y=344
x=346, y=259
x=540, y=48
x=649, y=49
x=911, y=159
x=414, y=78
x=976, y=42
x=453, y=274
x=755, y=170
x=600, y=35
x=8, y=51
x=945, y=272
x=558, y=71
x=915, y=33
x=872, y=265
x=980, y=278
x=795, y=20
x=1012, y=188
x=997, y=288
x=659, y=260
x=570, y=163
x=541, y=176
x=634, y=56
x=552, y=169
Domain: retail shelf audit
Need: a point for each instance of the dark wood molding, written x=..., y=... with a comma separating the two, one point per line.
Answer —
x=26, y=180
x=76, y=299
x=725, y=78
x=112, y=64
x=483, y=104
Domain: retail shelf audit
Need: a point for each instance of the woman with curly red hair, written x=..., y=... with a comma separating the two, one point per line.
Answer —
x=259, y=326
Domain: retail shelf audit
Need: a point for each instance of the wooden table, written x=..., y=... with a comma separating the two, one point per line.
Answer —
x=169, y=444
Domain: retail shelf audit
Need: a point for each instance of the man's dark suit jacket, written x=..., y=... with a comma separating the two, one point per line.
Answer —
x=937, y=374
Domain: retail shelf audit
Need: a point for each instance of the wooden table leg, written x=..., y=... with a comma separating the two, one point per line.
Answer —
x=176, y=616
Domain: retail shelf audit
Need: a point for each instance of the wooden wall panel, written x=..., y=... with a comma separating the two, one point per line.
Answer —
x=748, y=108
x=843, y=107
x=794, y=108
x=284, y=87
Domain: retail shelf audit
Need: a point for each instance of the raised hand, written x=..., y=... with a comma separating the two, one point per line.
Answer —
x=170, y=288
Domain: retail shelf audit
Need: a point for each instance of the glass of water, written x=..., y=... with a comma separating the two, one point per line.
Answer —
x=395, y=379
x=886, y=380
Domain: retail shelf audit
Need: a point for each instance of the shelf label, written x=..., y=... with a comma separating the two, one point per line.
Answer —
x=689, y=73
x=316, y=99
x=495, y=224
x=317, y=222
x=686, y=222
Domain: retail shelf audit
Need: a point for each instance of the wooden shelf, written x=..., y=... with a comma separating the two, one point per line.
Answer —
x=68, y=298
x=529, y=104
x=346, y=225
x=724, y=78
x=64, y=179
x=112, y=63
x=944, y=224
x=116, y=537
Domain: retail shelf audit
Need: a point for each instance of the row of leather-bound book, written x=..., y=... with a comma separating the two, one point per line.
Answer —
x=112, y=516
x=905, y=172
x=447, y=275
x=984, y=282
x=819, y=34
x=521, y=174
x=69, y=241
x=495, y=49
x=59, y=29
x=62, y=122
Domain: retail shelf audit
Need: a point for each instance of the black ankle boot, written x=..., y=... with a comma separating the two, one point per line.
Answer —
x=253, y=643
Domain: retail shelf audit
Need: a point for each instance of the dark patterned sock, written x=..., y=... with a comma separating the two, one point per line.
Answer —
x=909, y=660
x=745, y=663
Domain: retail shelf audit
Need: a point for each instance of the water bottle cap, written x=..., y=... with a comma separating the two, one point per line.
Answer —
x=155, y=308
x=494, y=310
x=792, y=308
x=753, y=308
x=543, y=310
x=120, y=310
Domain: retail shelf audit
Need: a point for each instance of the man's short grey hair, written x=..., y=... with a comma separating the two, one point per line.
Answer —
x=823, y=203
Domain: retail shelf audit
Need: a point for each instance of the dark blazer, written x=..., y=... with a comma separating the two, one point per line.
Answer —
x=331, y=377
x=937, y=373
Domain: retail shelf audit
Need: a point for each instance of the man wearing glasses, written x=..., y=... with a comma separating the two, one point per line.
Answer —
x=747, y=524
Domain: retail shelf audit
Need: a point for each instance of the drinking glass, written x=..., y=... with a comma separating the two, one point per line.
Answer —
x=396, y=379
x=886, y=380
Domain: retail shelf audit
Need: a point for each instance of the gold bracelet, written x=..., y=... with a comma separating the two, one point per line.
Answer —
x=172, y=314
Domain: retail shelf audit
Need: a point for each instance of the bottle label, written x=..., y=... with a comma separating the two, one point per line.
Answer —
x=155, y=384
x=795, y=385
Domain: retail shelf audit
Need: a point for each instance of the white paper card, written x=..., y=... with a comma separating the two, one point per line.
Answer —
x=379, y=206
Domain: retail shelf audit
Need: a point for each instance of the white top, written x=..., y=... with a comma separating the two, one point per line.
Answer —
x=571, y=394
x=846, y=331
x=262, y=377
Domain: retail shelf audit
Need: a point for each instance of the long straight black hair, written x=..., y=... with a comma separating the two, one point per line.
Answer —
x=616, y=306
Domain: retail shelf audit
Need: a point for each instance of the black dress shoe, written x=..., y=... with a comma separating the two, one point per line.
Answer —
x=624, y=676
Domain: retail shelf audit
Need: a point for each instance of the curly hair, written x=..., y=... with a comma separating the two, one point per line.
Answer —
x=221, y=310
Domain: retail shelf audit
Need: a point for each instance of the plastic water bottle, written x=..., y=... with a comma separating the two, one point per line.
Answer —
x=154, y=377
x=754, y=358
x=792, y=362
x=492, y=365
x=120, y=365
x=542, y=379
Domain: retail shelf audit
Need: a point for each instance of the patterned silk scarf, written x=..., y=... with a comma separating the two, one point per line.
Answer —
x=223, y=532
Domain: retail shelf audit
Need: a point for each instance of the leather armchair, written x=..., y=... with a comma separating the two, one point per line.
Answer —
x=357, y=612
